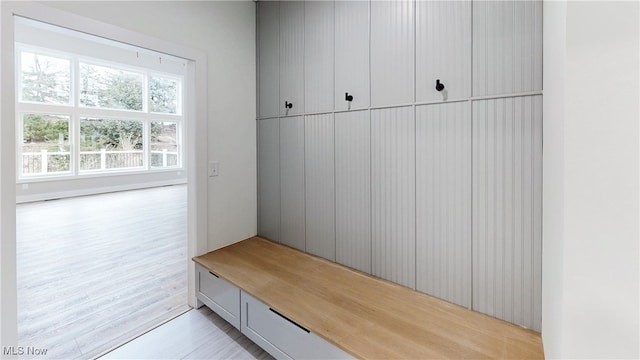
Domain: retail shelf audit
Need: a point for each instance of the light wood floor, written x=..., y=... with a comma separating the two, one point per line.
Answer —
x=197, y=334
x=95, y=271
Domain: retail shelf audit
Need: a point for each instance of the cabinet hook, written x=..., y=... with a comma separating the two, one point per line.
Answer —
x=288, y=105
x=439, y=85
x=348, y=97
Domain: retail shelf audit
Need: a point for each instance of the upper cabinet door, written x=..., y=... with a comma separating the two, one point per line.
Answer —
x=268, y=57
x=392, y=52
x=351, y=54
x=507, y=47
x=291, y=57
x=318, y=56
x=443, y=49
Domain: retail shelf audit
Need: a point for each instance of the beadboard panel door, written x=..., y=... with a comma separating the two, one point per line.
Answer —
x=292, y=206
x=318, y=56
x=393, y=194
x=443, y=49
x=292, y=57
x=320, y=186
x=269, y=175
x=392, y=52
x=507, y=209
x=268, y=58
x=353, y=189
x=351, y=54
x=507, y=47
x=443, y=201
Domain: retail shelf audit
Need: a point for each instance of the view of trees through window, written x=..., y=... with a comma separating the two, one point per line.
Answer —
x=138, y=126
x=45, y=79
x=45, y=145
x=110, y=88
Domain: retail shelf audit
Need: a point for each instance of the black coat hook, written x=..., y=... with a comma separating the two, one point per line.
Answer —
x=348, y=97
x=439, y=85
x=288, y=105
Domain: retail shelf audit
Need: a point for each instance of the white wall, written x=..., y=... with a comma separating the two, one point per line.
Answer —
x=591, y=277
x=554, y=65
x=225, y=31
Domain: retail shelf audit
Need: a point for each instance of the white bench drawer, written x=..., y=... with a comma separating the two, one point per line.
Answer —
x=282, y=337
x=219, y=295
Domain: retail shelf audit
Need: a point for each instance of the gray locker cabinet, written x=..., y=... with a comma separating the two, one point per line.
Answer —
x=443, y=49
x=351, y=54
x=507, y=209
x=507, y=47
x=392, y=52
x=292, y=206
x=393, y=194
x=353, y=189
x=318, y=56
x=291, y=57
x=443, y=201
x=269, y=175
x=268, y=59
x=320, y=186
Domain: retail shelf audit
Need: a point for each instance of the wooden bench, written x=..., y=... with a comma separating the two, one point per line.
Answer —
x=364, y=316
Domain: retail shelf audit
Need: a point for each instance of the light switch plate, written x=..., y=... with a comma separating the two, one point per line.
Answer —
x=214, y=168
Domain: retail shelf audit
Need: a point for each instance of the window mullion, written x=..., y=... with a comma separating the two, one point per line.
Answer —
x=75, y=119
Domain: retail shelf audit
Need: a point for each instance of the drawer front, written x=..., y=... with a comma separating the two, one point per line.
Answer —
x=219, y=295
x=284, y=337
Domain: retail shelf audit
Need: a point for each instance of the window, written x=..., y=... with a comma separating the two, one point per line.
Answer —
x=105, y=87
x=110, y=144
x=79, y=116
x=164, y=144
x=45, y=144
x=45, y=79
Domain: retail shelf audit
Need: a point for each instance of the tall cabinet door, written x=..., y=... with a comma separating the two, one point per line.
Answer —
x=319, y=186
x=351, y=54
x=507, y=209
x=318, y=56
x=392, y=52
x=268, y=59
x=393, y=194
x=443, y=201
x=443, y=49
x=269, y=176
x=507, y=47
x=291, y=57
x=353, y=189
x=292, y=182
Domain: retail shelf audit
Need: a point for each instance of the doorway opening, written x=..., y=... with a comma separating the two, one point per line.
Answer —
x=101, y=217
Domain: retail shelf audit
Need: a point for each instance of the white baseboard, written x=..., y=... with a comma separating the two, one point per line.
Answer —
x=96, y=190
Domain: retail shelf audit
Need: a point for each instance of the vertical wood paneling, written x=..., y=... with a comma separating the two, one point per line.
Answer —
x=392, y=52
x=320, y=186
x=507, y=47
x=353, y=189
x=269, y=175
x=318, y=56
x=507, y=209
x=443, y=49
x=292, y=206
x=443, y=201
x=351, y=54
x=292, y=56
x=393, y=194
x=268, y=55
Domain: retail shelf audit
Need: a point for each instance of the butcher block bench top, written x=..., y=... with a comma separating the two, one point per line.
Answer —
x=367, y=317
